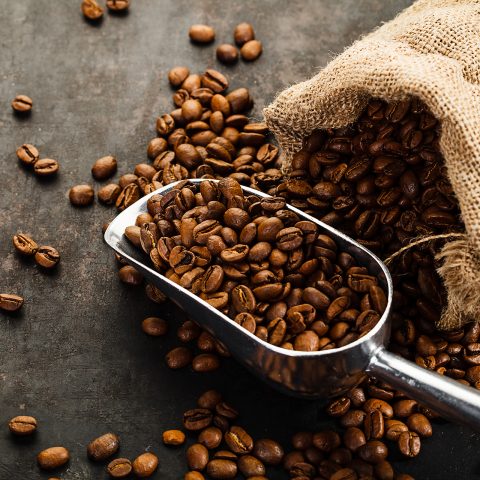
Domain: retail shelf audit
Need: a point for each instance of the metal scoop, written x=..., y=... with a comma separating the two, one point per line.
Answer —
x=310, y=374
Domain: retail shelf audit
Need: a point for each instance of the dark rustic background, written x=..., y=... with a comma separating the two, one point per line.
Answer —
x=75, y=356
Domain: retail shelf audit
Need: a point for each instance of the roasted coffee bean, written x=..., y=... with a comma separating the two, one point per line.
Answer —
x=197, y=456
x=209, y=399
x=119, y=468
x=24, y=244
x=227, y=53
x=129, y=275
x=197, y=419
x=10, y=302
x=211, y=437
x=205, y=362
x=201, y=34
x=118, y=6
x=326, y=440
x=221, y=469
x=45, y=167
x=81, y=195
x=103, y=447
x=104, y=167
x=251, y=50
x=22, y=425
x=92, y=10
x=145, y=465
x=238, y=440
x=193, y=475
x=53, y=457
x=420, y=424
x=108, y=194
x=373, y=451
x=268, y=451
x=173, y=437
x=250, y=466
x=409, y=444
x=354, y=438
x=179, y=357
x=177, y=75
x=27, y=154
x=243, y=33
x=155, y=326
x=47, y=257
x=22, y=104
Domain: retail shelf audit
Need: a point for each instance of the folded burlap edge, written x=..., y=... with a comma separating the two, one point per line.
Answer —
x=381, y=65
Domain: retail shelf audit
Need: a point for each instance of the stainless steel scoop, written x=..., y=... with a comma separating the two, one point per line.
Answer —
x=310, y=374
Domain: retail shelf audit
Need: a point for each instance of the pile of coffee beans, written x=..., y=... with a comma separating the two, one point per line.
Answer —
x=259, y=263
x=29, y=157
x=243, y=35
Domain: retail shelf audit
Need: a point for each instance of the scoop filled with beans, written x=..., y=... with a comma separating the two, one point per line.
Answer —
x=259, y=263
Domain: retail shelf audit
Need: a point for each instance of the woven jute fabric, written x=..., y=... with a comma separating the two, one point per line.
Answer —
x=431, y=51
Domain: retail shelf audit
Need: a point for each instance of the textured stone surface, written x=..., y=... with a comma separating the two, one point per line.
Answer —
x=75, y=357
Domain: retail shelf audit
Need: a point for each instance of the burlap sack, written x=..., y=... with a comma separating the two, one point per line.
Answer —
x=431, y=51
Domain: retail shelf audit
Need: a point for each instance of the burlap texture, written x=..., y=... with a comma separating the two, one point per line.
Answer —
x=431, y=51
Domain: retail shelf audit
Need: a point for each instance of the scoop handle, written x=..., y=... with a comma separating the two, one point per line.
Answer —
x=449, y=398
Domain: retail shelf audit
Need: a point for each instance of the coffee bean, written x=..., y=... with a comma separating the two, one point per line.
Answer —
x=92, y=10
x=209, y=399
x=243, y=33
x=173, y=437
x=268, y=451
x=374, y=451
x=179, y=357
x=409, y=444
x=103, y=447
x=145, y=465
x=22, y=104
x=193, y=475
x=201, y=34
x=354, y=438
x=47, y=257
x=10, y=302
x=227, y=53
x=197, y=457
x=45, y=167
x=251, y=50
x=130, y=275
x=205, y=362
x=104, y=167
x=53, y=457
x=221, y=469
x=81, y=195
x=108, y=194
x=238, y=440
x=197, y=419
x=27, y=154
x=420, y=424
x=118, y=6
x=119, y=468
x=24, y=244
x=155, y=326
x=250, y=466
x=177, y=75
x=22, y=425
x=211, y=437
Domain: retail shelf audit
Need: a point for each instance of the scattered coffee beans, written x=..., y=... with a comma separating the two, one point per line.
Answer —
x=81, y=195
x=227, y=53
x=103, y=447
x=53, y=457
x=92, y=10
x=22, y=425
x=201, y=34
x=10, y=302
x=22, y=104
x=119, y=468
x=145, y=465
x=27, y=154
